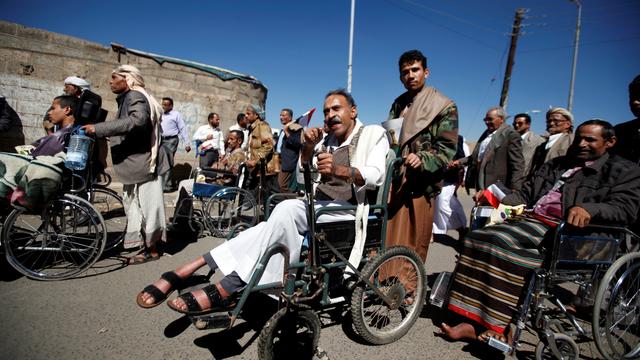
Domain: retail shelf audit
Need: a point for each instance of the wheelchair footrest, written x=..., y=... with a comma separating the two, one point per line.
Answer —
x=220, y=320
x=439, y=290
x=500, y=345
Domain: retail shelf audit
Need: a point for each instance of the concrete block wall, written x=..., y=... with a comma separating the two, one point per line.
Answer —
x=34, y=63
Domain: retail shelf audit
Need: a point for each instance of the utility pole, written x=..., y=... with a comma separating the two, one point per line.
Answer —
x=350, y=66
x=575, y=55
x=512, y=54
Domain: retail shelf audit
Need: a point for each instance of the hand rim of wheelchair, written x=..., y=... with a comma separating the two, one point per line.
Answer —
x=277, y=333
x=364, y=298
x=610, y=287
x=115, y=214
x=245, y=210
x=88, y=254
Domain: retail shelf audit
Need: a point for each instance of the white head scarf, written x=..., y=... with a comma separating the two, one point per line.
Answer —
x=134, y=80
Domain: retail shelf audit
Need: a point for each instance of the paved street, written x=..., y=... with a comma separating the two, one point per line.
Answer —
x=96, y=317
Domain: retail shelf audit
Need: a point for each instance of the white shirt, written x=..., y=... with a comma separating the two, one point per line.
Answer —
x=483, y=146
x=552, y=140
x=216, y=142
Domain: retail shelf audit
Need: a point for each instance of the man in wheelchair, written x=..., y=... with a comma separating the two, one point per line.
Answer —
x=30, y=179
x=588, y=185
x=350, y=160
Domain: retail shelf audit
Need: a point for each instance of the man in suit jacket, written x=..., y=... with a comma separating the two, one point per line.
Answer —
x=530, y=140
x=497, y=156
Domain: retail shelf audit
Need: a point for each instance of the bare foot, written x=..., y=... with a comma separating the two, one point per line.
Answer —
x=458, y=332
x=201, y=297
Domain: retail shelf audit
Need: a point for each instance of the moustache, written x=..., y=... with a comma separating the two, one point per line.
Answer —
x=334, y=121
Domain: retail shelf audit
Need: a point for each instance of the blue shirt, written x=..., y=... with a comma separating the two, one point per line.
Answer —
x=173, y=124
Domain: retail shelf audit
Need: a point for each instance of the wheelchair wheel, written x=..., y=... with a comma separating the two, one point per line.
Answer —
x=289, y=334
x=616, y=315
x=110, y=206
x=228, y=208
x=565, y=344
x=65, y=239
x=397, y=272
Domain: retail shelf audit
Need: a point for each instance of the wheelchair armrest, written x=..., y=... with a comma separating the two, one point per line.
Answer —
x=274, y=197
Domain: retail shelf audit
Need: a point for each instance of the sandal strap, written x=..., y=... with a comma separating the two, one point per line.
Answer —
x=157, y=294
x=215, y=298
x=190, y=300
x=172, y=278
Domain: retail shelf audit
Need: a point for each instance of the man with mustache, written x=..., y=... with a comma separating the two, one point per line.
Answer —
x=350, y=159
x=428, y=142
x=586, y=186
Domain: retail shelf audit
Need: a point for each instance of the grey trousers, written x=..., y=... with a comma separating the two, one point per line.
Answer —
x=171, y=145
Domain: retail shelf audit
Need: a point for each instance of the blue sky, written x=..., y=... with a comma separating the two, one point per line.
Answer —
x=299, y=49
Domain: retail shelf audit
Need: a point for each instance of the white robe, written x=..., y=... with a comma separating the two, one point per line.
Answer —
x=288, y=222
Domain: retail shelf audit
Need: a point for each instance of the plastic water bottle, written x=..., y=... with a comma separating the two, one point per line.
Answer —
x=78, y=151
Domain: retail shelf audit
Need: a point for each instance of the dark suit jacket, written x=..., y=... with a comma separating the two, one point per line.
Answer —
x=290, y=150
x=502, y=161
x=628, y=145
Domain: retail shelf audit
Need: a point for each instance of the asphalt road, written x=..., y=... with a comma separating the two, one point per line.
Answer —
x=95, y=317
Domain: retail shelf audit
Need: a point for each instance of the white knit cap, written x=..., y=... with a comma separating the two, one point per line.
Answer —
x=79, y=82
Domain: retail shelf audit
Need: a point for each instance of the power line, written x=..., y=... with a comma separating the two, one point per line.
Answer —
x=480, y=42
x=454, y=17
x=582, y=44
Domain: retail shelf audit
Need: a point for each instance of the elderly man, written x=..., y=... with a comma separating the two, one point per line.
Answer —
x=135, y=141
x=559, y=138
x=261, y=149
x=497, y=157
x=428, y=141
x=588, y=185
x=355, y=164
x=173, y=128
x=530, y=140
x=288, y=146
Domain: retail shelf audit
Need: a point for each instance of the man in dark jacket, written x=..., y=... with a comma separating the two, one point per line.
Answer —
x=497, y=156
x=137, y=160
x=587, y=185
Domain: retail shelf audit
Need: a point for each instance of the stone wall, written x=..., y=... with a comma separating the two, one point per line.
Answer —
x=34, y=63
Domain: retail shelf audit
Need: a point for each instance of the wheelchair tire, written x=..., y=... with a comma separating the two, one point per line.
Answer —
x=289, y=334
x=111, y=207
x=62, y=241
x=565, y=344
x=377, y=322
x=616, y=315
x=227, y=208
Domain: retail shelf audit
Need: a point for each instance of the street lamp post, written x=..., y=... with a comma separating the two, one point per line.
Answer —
x=350, y=66
x=575, y=54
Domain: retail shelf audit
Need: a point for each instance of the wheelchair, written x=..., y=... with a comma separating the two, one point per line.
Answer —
x=217, y=206
x=384, y=294
x=67, y=235
x=604, y=263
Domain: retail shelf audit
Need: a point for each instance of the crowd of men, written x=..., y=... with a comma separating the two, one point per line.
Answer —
x=582, y=176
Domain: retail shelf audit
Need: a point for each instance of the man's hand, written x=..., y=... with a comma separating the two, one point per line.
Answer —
x=312, y=136
x=453, y=164
x=187, y=148
x=250, y=164
x=89, y=129
x=210, y=136
x=479, y=198
x=413, y=161
x=578, y=217
x=325, y=164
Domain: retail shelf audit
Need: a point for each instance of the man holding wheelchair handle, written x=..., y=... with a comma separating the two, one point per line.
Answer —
x=586, y=186
x=346, y=171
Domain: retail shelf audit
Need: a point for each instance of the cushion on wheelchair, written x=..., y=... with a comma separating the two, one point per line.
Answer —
x=205, y=189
